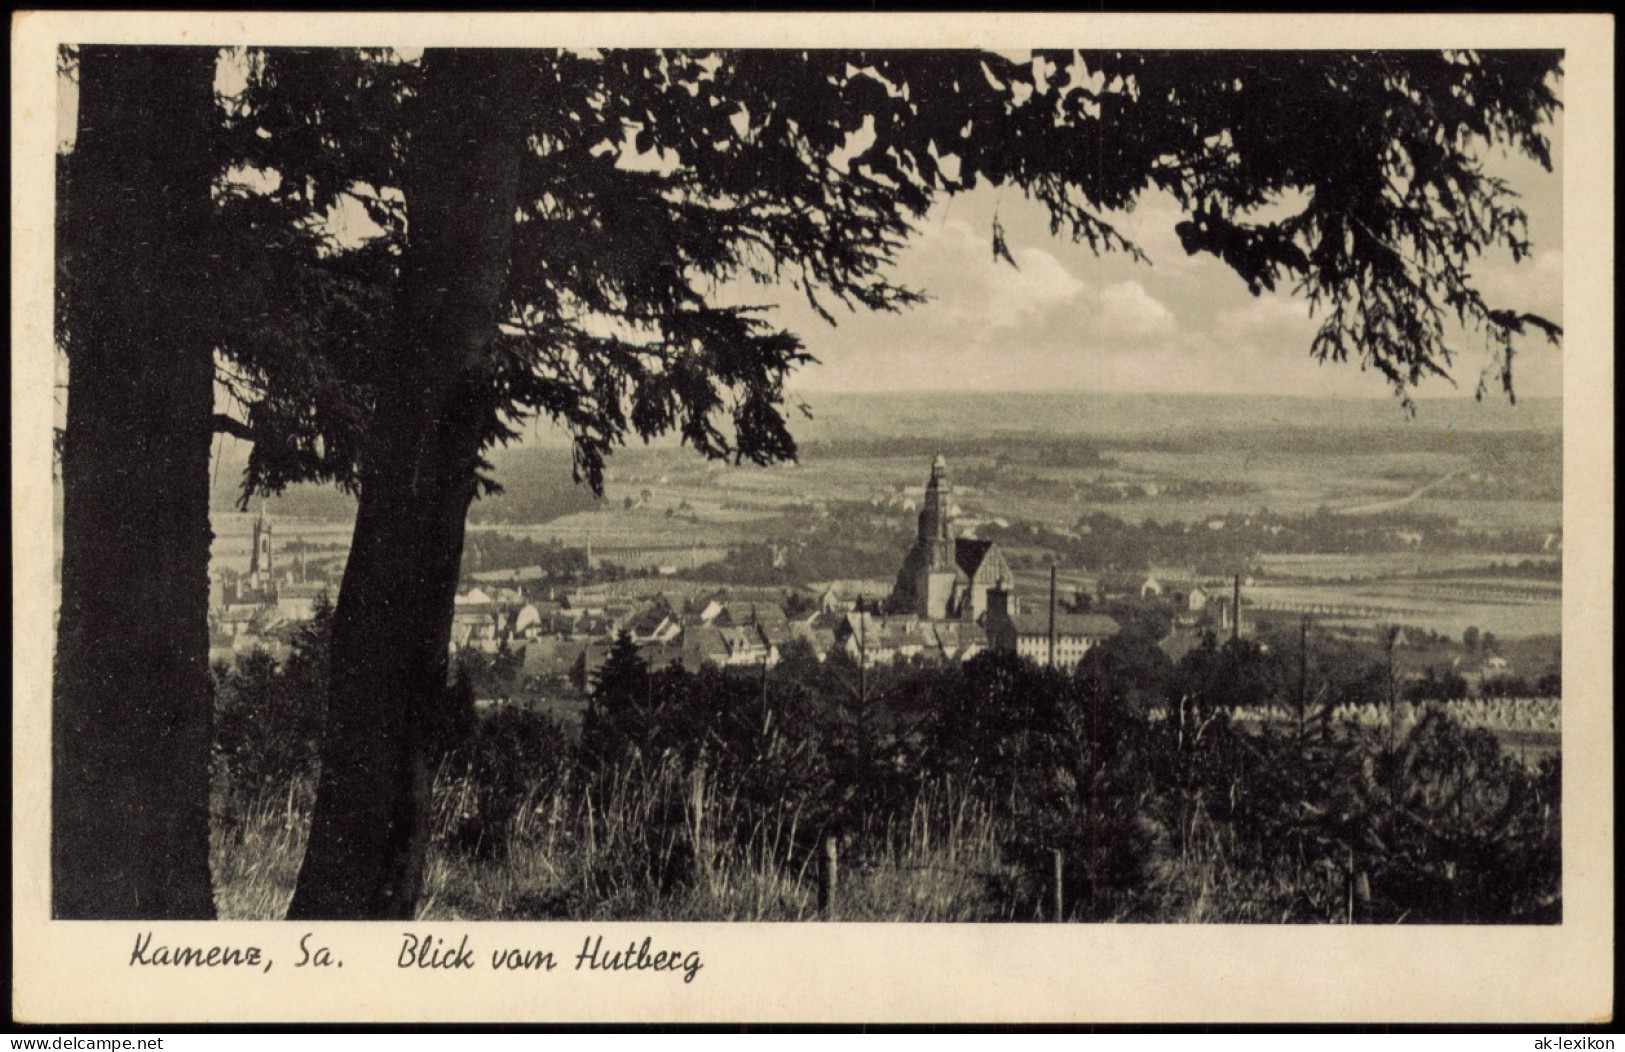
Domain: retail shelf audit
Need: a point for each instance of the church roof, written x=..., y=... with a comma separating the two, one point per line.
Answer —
x=969, y=553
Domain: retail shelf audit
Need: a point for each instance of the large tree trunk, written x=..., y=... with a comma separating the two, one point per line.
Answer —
x=132, y=715
x=393, y=621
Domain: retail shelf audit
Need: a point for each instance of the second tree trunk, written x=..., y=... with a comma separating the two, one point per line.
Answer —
x=392, y=625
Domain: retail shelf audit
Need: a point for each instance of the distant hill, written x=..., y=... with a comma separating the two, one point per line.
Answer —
x=536, y=476
x=536, y=482
x=537, y=487
x=299, y=502
x=1117, y=416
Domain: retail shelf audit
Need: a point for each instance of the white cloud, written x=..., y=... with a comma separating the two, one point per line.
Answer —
x=1534, y=285
x=954, y=264
x=982, y=300
x=1126, y=309
x=1010, y=296
x=1279, y=315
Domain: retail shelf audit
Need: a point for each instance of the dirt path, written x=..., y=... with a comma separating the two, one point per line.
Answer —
x=1410, y=498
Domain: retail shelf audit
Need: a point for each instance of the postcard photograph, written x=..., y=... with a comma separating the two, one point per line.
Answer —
x=543, y=519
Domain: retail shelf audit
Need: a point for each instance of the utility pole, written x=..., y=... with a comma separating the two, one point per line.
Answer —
x=1052, y=613
x=1303, y=679
x=861, y=721
x=863, y=661
x=766, y=652
x=1389, y=636
x=1235, y=611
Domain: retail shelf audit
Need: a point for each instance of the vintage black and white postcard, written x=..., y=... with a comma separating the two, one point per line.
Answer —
x=784, y=518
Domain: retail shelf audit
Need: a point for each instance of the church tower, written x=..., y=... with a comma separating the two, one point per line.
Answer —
x=936, y=517
x=259, y=560
x=946, y=577
x=935, y=578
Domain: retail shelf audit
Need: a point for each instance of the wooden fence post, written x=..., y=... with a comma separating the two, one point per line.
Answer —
x=1350, y=881
x=704, y=853
x=829, y=878
x=1060, y=900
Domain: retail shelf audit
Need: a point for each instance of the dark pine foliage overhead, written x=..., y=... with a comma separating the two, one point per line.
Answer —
x=661, y=185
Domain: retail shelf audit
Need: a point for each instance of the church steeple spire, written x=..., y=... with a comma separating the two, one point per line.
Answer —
x=936, y=518
x=259, y=560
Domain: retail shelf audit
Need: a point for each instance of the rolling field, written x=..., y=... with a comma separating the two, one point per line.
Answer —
x=1342, y=567
x=1398, y=602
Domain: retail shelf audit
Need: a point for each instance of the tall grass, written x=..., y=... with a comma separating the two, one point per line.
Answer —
x=657, y=846
x=665, y=844
x=659, y=841
x=256, y=847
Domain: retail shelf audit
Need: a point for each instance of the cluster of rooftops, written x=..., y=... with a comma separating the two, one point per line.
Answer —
x=952, y=599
